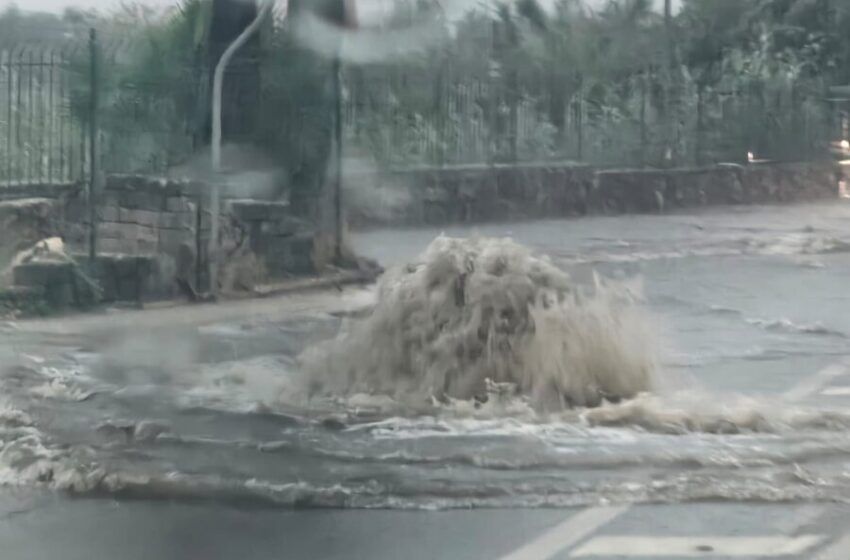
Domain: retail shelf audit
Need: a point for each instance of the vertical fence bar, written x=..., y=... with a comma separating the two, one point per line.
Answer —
x=3, y=148
x=63, y=99
x=31, y=117
x=9, y=123
x=81, y=156
x=699, y=126
x=16, y=157
x=337, y=71
x=579, y=127
x=643, y=128
x=93, y=145
x=52, y=116
x=42, y=109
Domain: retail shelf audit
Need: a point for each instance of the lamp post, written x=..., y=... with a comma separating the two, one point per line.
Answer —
x=218, y=84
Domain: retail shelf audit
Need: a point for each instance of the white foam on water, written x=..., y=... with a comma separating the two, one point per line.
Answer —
x=59, y=389
x=803, y=246
x=788, y=326
x=696, y=411
x=28, y=457
x=244, y=386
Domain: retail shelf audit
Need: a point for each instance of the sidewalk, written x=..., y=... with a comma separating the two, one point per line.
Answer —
x=341, y=292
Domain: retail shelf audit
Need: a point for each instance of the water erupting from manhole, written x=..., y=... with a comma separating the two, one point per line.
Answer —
x=472, y=310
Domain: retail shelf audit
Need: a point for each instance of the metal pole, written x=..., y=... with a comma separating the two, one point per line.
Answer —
x=218, y=84
x=39, y=160
x=10, y=89
x=52, y=117
x=28, y=173
x=668, y=84
x=93, y=145
x=63, y=176
x=18, y=158
x=337, y=68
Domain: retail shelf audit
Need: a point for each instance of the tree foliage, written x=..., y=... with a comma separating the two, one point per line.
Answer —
x=512, y=79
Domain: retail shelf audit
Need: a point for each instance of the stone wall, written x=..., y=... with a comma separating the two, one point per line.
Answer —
x=23, y=222
x=790, y=182
x=472, y=194
x=138, y=217
x=636, y=191
x=145, y=226
x=150, y=232
x=263, y=241
x=46, y=190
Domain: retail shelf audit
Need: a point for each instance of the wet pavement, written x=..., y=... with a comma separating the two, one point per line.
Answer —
x=750, y=308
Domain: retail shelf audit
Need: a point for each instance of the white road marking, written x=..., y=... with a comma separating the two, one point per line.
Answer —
x=580, y=525
x=811, y=385
x=840, y=550
x=566, y=534
x=842, y=391
x=695, y=547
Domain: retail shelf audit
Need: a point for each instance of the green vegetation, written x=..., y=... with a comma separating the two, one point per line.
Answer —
x=612, y=84
x=617, y=85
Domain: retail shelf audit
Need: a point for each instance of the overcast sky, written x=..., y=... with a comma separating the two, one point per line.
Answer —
x=59, y=5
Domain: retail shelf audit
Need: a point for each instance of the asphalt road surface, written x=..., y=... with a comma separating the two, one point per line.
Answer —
x=156, y=435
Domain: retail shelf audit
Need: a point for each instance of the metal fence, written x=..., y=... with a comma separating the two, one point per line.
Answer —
x=467, y=120
x=155, y=117
x=55, y=100
x=41, y=140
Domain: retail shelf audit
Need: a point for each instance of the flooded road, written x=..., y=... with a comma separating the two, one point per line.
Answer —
x=748, y=308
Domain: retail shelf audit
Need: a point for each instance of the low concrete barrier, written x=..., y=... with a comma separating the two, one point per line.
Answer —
x=152, y=231
x=470, y=194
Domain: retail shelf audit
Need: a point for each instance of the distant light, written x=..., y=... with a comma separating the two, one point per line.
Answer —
x=845, y=144
x=844, y=162
x=750, y=157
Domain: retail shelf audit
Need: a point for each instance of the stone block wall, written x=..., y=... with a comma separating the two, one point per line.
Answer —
x=23, y=222
x=476, y=193
x=56, y=282
x=267, y=235
x=136, y=215
x=152, y=230
x=627, y=191
x=711, y=186
x=470, y=194
x=47, y=190
x=789, y=182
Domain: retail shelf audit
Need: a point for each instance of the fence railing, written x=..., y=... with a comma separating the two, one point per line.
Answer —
x=153, y=115
x=41, y=140
x=468, y=120
x=47, y=95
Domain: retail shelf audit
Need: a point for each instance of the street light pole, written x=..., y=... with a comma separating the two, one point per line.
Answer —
x=218, y=84
x=94, y=147
x=338, y=225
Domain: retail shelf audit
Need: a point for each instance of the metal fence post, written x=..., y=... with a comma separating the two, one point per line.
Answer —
x=337, y=195
x=94, y=168
x=215, y=151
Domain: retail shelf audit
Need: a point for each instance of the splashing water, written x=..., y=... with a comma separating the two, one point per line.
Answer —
x=473, y=317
